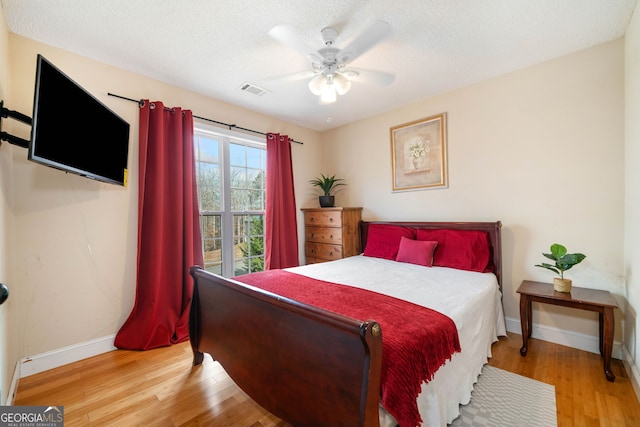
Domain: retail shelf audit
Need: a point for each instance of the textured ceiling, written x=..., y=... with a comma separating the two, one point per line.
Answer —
x=213, y=47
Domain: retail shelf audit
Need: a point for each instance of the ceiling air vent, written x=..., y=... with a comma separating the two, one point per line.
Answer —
x=254, y=89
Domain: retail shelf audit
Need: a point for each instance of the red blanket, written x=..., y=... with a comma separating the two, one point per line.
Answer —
x=416, y=340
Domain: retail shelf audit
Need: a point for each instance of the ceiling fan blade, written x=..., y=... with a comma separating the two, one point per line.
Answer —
x=370, y=37
x=300, y=75
x=379, y=78
x=287, y=36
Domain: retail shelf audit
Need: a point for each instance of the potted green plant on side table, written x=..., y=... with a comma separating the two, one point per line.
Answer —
x=328, y=185
x=563, y=261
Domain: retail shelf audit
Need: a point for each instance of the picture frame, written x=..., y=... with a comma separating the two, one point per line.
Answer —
x=419, y=154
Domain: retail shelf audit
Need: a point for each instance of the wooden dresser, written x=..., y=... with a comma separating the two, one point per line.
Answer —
x=331, y=233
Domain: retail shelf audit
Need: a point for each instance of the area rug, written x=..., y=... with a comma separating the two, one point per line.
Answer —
x=504, y=399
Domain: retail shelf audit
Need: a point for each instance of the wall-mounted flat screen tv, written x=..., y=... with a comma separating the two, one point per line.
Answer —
x=73, y=131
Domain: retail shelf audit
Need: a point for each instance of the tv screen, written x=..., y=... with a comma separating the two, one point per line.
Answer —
x=73, y=131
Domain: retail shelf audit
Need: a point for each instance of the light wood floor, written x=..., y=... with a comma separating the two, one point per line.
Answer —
x=159, y=388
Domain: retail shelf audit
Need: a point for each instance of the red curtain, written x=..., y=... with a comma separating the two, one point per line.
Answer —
x=281, y=230
x=169, y=240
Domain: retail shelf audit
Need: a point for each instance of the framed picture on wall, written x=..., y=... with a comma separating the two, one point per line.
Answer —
x=419, y=154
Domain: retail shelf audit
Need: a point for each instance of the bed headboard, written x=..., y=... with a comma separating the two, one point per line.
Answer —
x=492, y=228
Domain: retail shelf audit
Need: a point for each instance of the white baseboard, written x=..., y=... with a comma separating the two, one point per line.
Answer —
x=55, y=358
x=577, y=340
x=63, y=356
x=14, y=386
x=632, y=371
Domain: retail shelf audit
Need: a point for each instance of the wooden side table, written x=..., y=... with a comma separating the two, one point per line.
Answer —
x=582, y=298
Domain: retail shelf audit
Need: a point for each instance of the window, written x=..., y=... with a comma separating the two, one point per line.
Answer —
x=231, y=174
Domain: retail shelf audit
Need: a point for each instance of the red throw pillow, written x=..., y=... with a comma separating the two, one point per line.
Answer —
x=461, y=249
x=416, y=251
x=383, y=240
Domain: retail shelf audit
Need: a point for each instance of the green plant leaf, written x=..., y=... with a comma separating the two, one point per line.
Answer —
x=563, y=260
x=569, y=260
x=558, y=250
x=327, y=184
x=549, y=267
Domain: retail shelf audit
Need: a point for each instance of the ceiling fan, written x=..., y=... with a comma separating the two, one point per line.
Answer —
x=329, y=75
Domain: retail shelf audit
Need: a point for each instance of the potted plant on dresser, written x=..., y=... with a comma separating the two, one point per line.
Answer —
x=328, y=185
x=563, y=261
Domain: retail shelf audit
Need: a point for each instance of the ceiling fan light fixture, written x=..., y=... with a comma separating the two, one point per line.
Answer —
x=331, y=77
x=328, y=86
x=317, y=83
x=341, y=83
x=328, y=95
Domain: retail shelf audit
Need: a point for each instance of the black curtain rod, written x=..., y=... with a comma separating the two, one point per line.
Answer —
x=230, y=126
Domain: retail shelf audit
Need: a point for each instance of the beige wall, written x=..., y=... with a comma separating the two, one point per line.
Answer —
x=8, y=350
x=541, y=149
x=76, y=238
x=632, y=186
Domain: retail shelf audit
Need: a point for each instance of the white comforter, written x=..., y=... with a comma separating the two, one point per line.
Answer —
x=472, y=300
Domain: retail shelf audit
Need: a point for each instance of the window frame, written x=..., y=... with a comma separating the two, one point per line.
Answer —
x=226, y=138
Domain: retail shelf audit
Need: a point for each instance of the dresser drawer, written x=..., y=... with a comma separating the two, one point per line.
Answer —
x=331, y=233
x=323, y=235
x=322, y=251
x=331, y=218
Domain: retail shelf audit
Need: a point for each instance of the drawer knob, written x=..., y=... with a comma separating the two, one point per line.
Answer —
x=331, y=253
x=330, y=219
x=331, y=236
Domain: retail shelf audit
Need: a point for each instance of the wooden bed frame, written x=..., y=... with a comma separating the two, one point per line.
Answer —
x=305, y=365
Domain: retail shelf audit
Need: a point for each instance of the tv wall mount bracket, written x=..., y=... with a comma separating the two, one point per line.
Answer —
x=11, y=139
